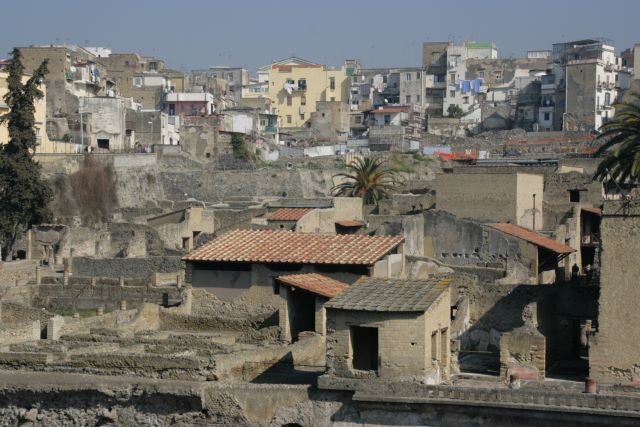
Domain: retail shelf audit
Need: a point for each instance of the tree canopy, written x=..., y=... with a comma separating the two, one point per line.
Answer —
x=369, y=178
x=621, y=143
x=23, y=194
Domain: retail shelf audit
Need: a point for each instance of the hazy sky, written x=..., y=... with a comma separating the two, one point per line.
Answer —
x=197, y=33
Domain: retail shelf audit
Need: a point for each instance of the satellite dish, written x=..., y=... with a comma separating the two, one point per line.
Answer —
x=72, y=69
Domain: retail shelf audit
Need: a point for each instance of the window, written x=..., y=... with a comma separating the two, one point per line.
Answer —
x=358, y=120
x=332, y=83
x=384, y=79
x=289, y=118
x=547, y=117
x=452, y=78
x=481, y=74
x=302, y=84
x=407, y=77
x=301, y=116
x=574, y=196
x=607, y=98
x=417, y=75
x=289, y=101
x=407, y=99
x=263, y=122
x=137, y=81
x=452, y=94
x=440, y=78
x=435, y=58
x=387, y=119
x=417, y=99
x=303, y=100
x=466, y=100
x=364, y=344
x=497, y=75
x=434, y=345
x=444, y=345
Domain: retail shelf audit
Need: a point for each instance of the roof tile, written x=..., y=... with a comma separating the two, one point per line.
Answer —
x=392, y=295
x=315, y=283
x=270, y=246
x=288, y=214
x=533, y=237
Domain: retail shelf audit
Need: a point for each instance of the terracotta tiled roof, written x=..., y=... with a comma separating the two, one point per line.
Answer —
x=396, y=295
x=596, y=211
x=315, y=283
x=288, y=214
x=533, y=237
x=347, y=223
x=270, y=246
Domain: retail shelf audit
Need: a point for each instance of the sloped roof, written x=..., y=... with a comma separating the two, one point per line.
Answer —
x=288, y=214
x=271, y=246
x=315, y=283
x=391, y=295
x=533, y=237
x=596, y=211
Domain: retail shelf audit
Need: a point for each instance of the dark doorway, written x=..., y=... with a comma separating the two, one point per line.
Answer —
x=364, y=342
x=103, y=143
x=302, y=312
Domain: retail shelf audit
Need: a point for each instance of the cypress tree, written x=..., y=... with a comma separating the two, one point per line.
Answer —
x=24, y=196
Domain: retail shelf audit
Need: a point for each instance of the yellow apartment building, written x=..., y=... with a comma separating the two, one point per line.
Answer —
x=294, y=90
x=40, y=113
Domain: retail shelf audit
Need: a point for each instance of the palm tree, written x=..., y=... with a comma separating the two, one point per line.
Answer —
x=368, y=178
x=621, y=137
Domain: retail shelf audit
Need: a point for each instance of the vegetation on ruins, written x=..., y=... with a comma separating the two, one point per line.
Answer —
x=369, y=178
x=621, y=144
x=239, y=147
x=454, y=111
x=24, y=196
x=90, y=194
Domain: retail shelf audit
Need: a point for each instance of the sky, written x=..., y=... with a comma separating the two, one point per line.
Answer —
x=191, y=34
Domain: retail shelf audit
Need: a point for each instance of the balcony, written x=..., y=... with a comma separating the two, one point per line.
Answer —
x=548, y=87
x=609, y=67
x=271, y=129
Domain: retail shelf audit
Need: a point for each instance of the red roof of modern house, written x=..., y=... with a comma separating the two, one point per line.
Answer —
x=596, y=211
x=288, y=214
x=533, y=237
x=271, y=246
x=350, y=223
x=315, y=283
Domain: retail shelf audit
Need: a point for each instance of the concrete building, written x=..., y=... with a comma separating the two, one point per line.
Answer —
x=295, y=88
x=73, y=72
x=105, y=119
x=148, y=128
x=189, y=104
x=244, y=263
x=236, y=77
x=584, y=79
x=331, y=121
x=40, y=113
x=517, y=198
x=390, y=329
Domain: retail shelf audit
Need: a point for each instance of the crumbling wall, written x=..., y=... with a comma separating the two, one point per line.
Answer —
x=613, y=357
x=139, y=268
